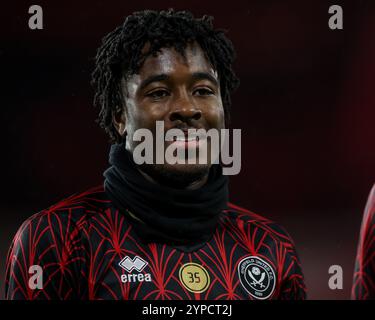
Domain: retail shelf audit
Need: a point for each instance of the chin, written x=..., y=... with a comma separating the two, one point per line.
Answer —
x=177, y=175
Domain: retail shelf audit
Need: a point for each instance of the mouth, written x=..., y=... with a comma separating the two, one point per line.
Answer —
x=188, y=140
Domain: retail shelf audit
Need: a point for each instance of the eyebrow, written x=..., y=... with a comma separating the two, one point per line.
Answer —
x=205, y=76
x=164, y=77
x=151, y=79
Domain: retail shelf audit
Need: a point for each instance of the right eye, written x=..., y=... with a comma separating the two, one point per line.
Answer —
x=158, y=94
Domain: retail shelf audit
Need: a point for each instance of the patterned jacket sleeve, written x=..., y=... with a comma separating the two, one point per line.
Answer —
x=49, y=243
x=292, y=282
x=364, y=274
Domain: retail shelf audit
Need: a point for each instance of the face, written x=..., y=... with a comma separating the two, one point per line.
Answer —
x=184, y=93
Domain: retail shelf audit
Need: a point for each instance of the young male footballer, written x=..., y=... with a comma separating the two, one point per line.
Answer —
x=364, y=275
x=159, y=230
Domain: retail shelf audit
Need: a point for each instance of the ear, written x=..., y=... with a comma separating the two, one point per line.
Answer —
x=119, y=121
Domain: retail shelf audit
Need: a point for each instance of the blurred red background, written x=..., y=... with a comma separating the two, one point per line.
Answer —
x=305, y=106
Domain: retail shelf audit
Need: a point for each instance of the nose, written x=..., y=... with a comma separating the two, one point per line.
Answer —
x=184, y=111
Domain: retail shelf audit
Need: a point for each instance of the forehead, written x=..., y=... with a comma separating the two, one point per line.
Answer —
x=169, y=61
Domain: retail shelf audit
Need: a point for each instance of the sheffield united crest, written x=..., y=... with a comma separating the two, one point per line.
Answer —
x=257, y=277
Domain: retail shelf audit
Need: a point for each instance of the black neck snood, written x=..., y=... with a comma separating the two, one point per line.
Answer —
x=179, y=217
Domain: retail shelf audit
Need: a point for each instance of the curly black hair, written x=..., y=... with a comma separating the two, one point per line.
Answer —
x=120, y=56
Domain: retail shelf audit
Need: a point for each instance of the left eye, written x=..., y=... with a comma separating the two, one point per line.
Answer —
x=203, y=92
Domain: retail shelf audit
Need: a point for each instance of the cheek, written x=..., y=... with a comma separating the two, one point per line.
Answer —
x=140, y=116
x=134, y=114
x=215, y=117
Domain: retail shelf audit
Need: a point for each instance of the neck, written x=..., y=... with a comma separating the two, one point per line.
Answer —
x=196, y=184
x=180, y=208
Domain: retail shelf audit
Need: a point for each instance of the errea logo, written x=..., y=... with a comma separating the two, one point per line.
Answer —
x=138, y=264
x=130, y=264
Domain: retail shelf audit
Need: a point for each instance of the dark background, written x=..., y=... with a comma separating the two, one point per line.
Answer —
x=305, y=106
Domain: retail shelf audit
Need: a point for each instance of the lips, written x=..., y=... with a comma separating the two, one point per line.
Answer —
x=181, y=137
x=182, y=142
x=189, y=140
x=184, y=139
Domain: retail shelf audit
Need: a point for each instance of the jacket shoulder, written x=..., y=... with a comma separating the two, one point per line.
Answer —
x=243, y=218
x=74, y=209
